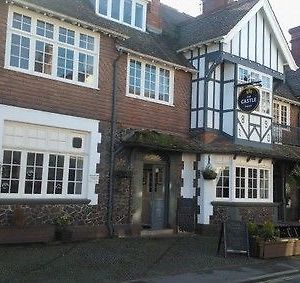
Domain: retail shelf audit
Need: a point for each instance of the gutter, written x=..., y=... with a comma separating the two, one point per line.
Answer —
x=110, y=225
x=60, y=16
x=213, y=40
x=176, y=66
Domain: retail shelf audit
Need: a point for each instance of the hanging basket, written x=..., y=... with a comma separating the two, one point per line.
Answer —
x=209, y=174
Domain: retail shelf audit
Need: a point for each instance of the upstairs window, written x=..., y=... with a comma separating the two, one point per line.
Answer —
x=247, y=76
x=49, y=48
x=129, y=12
x=281, y=113
x=150, y=82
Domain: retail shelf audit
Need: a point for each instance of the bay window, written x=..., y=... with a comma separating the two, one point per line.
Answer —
x=129, y=12
x=150, y=82
x=52, y=49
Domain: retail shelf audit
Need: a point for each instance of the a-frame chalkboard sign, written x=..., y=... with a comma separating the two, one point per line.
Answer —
x=234, y=237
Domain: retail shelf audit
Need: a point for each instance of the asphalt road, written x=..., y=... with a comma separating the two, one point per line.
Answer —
x=290, y=279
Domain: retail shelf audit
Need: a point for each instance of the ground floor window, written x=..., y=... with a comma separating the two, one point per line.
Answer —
x=252, y=183
x=223, y=184
x=41, y=174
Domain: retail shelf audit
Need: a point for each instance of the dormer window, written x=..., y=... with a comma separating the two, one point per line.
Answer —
x=128, y=12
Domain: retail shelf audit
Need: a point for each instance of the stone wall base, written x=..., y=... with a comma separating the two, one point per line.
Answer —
x=245, y=212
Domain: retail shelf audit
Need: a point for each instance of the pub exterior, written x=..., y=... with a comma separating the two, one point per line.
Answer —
x=135, y=117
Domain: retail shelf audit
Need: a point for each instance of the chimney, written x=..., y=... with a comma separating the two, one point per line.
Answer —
x=295, y=33
x=212, y=5
x=154, y=23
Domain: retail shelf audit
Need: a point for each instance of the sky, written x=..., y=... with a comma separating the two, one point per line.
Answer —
x=287, y=11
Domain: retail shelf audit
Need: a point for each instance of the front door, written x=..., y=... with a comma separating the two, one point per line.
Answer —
x=153, y=210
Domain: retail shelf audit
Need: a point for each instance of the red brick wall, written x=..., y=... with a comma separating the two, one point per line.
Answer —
x=29, y=91
x=294, y=116
x=153, y=15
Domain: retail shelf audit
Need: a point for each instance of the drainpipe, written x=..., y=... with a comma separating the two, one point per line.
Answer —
x=110, y=225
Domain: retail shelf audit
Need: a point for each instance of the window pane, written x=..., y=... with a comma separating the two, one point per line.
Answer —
x=43, y=57
x=86, y=68
x=135, y=77
x=55, y=174
x=20, y=47
x=44, y=29
x=103, y=7
x=164, y=85
x=66, y=36
x=65, y=63
x=139, y=13
x=127, y=11
x=21, y=22
x=150, y=81
x=75, y=175
x=11, y=166
x=115, y=9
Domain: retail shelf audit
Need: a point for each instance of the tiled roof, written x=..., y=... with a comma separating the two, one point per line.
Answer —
x=213, y=25
x=170, y=142
x=293, y=80
x=157, y=46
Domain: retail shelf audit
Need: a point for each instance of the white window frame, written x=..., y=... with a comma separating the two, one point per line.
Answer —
x=158, y=67
x=263, y=89
x=282, y=104
x=121, y=16
x=75, y=124
x=44, y=195
x=33, y=37
x=253, y=165
x=221, y=176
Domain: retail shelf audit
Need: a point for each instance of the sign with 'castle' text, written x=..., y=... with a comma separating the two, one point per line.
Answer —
x=248, y=99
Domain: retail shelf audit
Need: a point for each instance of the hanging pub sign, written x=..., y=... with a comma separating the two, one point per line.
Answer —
x=248, y=99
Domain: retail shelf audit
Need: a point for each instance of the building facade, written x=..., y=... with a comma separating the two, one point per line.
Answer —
x=112, y=110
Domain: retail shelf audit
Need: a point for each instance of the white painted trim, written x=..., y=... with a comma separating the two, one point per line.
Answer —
x=121, y=15
x=141, y=96
x=63, y=17
x=283, y=99
x=276, y=29
x=155, y=59
x=56, y=43
x=29, y=116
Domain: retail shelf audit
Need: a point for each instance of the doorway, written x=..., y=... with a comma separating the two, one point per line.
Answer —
x=154, y=196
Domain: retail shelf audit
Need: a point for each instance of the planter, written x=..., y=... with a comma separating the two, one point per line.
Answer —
x=297, y=247
x=34, y=234
x=279, y=248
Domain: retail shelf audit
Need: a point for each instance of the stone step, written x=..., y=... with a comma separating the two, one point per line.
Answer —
x=157, y=233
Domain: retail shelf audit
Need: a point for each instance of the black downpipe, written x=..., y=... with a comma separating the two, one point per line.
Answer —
x=110, y=225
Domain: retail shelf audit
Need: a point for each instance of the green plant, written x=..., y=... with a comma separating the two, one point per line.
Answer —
x=209, y=173
x=62, y=221
x=266, y=232
x=253, y=229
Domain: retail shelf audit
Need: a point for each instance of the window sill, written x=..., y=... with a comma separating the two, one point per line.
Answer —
x=14, y=201
x=44, y=76
x=150, y=100
x=244, y=204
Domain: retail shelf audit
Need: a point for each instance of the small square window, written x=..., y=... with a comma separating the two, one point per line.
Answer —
x=77, y=142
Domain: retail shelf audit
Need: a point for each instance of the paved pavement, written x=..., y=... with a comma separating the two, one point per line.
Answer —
x=280, y=270
x=176, y=259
